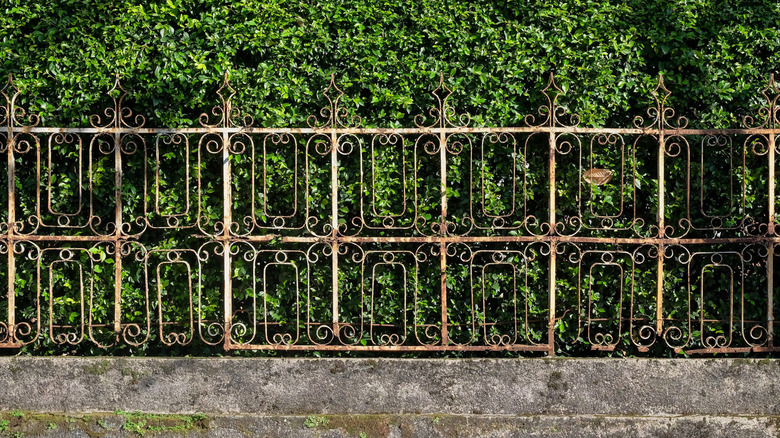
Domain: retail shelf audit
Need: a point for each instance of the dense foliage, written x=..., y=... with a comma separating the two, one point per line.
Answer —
x=387, y=56
x=715, y=55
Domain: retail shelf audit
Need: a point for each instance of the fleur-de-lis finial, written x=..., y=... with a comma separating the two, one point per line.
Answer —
x=334, y=115
x=10, y=114
x=770, y=112
x=660, y=114
x=118, y=94
x=226, y=93
x=442, y=115
x=228, y=115
x=333, y=102
x=118, y=115
x=442, y=94
x=552, y=113
x=660, y=89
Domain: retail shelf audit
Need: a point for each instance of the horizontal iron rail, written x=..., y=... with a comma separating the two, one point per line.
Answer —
x=411, y=131
x=722, y=296
x=420, y=239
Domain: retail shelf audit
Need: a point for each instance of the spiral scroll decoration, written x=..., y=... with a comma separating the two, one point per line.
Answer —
x=769, y=113
x=226, y=114
x=661, y=116
x=335, y=115
x=439, y=236
x=443, y=115
x=551, y=113
x=117, y=115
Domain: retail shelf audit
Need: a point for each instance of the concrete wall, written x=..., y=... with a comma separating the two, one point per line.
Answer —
x=395, y=397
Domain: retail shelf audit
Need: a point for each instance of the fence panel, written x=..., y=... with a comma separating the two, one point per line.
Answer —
x=436, y=237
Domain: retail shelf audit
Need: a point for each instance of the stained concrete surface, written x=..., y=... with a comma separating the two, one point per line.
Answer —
x=409, y=397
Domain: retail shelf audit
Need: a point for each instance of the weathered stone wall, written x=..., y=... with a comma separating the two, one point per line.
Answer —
x=399, y=397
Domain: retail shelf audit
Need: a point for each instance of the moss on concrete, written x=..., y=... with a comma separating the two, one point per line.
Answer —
x=31, y=424
x=98, y=368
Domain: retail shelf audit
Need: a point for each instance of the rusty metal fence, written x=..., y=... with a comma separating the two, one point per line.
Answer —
x=440, y=236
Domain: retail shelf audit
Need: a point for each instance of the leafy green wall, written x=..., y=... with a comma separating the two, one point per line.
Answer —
x=387, y=54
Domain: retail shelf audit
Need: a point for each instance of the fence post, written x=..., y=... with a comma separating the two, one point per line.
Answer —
x=770, y=261
x=661, y=216
x=334, y=182
x=11, y=217
x=553, y=247
x=118, y=231
x=227, y=218
x=443, y=230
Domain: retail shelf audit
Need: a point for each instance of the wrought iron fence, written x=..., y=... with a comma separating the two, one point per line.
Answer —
x=440, y=236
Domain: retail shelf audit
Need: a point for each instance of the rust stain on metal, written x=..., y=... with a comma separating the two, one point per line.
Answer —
x=480, y=239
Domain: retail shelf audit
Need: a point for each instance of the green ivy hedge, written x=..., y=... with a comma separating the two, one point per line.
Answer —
x=387, y=54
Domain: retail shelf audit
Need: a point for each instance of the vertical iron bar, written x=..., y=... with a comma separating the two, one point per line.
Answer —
x=770, y=262
x=659, y=298
x=334, y=182
x=11, y=220
x=553, y=249
x=770, y=266
x=227, y=218
x=443, y=232
x=117, y=233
